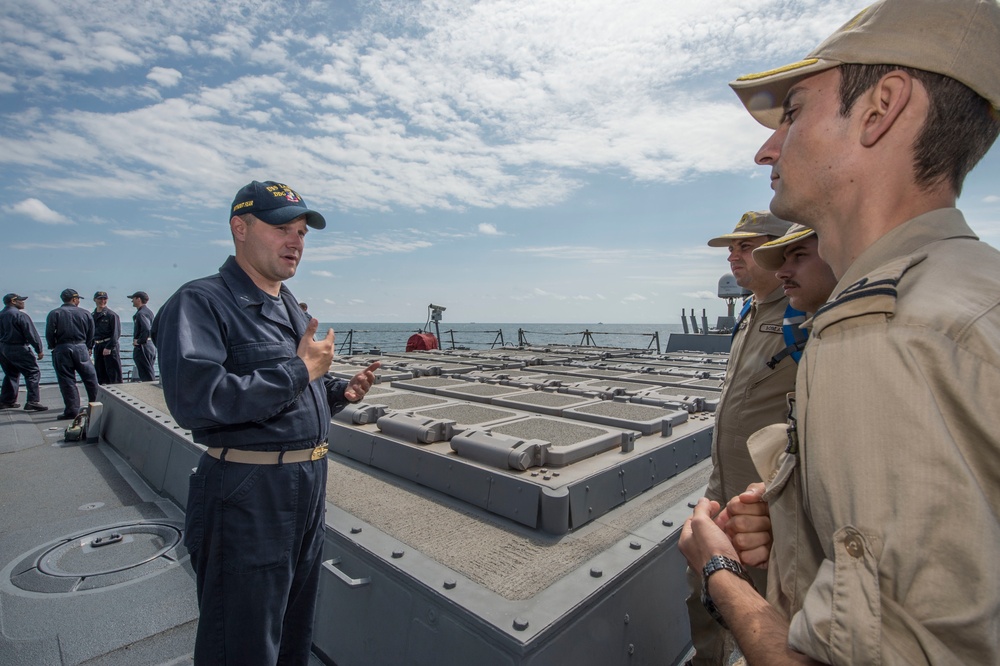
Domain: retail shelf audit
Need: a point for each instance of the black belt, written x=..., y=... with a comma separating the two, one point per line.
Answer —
x=102, y=340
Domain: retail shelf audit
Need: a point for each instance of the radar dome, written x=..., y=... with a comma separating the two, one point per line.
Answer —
x=729, y=289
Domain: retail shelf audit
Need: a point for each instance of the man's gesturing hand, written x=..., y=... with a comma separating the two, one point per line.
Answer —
x=361, y=382
x=316, y=354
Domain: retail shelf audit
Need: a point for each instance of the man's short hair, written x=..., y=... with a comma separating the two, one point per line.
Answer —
x=960, y=126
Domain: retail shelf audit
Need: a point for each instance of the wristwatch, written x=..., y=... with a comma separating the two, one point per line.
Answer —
x=719, y=563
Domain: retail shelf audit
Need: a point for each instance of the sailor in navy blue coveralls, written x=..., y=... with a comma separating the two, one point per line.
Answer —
x=17, y=338
x=143, y=351
x=107, y=330
x=239, y=366
x=69, y=332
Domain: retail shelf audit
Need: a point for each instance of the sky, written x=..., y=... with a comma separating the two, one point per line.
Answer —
x=516, y=161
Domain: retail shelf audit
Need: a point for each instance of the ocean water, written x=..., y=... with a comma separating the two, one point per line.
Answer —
x=363, y=338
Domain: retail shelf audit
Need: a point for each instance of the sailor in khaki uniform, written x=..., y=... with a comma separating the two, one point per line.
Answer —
x=753, y=395
x=885, y=485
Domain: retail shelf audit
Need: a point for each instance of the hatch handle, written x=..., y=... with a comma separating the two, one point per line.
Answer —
x=331, y=566
x=106, y=540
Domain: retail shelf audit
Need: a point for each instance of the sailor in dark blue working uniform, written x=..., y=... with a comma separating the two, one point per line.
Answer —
x=69, y=332
x=17, y=338
x=240, y=367
x=143, y=351
x=107, y=330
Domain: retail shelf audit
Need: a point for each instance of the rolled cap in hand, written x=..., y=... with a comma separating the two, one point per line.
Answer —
x=955, y=38
x=10, y=298
x=68, y=295
x=751, y=225
x=771, y=255
x=274, y=203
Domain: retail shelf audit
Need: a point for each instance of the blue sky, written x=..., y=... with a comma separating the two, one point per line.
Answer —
x=516, y=161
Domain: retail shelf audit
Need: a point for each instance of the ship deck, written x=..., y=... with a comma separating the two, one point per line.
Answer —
x=571, y=545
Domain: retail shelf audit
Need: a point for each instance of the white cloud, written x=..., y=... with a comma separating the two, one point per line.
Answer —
x=432, y=106
x=164, y=77
x=38, y=211
x=487, y=229
x=323, y=274
x=68, y=245
x=137, y=233
x=364, y=247
x=631, y=298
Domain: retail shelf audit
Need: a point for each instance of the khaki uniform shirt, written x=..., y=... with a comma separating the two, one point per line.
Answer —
x=887, y=522
x=753, y=396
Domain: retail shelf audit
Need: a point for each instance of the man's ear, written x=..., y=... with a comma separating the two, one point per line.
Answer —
x=883, y=104
x=239, y=228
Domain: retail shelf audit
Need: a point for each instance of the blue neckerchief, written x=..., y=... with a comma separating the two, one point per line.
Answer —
x=795, y=337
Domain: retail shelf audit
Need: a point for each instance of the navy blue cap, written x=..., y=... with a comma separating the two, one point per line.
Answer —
x=10, y=298
x=143, y=296
x=100, y=294
x=68, y=295
x=274, y=203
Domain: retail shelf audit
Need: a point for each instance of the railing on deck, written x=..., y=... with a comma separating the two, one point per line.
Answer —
x=448, y=341
x=587, y=339
x=373, y=341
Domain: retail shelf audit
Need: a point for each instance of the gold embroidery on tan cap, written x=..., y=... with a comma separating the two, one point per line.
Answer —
x=779, y=70
x=746, y=220
x=784, y=240
x=853, y=23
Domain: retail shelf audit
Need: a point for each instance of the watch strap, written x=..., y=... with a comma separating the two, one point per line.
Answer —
x=720, y=563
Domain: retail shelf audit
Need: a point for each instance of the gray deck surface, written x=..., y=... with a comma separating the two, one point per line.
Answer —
x=50, y=490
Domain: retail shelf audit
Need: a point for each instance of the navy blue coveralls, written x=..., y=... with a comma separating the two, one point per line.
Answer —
x=143, y=351
x=107, y=330
x=230, y=373
x=17, y=338
x=69, y=332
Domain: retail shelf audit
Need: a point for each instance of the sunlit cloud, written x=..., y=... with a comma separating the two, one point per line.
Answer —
x=164, y=77
x=38, y=211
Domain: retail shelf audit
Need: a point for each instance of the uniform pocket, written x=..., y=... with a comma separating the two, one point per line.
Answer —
x=255, y=355
x=856, y=610
x=258, y=516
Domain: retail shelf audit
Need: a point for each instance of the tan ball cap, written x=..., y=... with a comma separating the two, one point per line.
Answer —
x=956, y=38
x=751, y=225
x=771, y=255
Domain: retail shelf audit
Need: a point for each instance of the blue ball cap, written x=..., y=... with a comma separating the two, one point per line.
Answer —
x=274, y=203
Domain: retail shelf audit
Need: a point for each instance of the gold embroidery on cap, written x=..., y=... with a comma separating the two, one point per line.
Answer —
x=853, y=23
x=747, y=219
x=788, y=239
x=779, y=70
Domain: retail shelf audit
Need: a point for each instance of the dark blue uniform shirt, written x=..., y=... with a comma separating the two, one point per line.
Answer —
x=16, y=328
x=69, y=324
x=143, y=321
x=229, y=368
x=107, y=326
